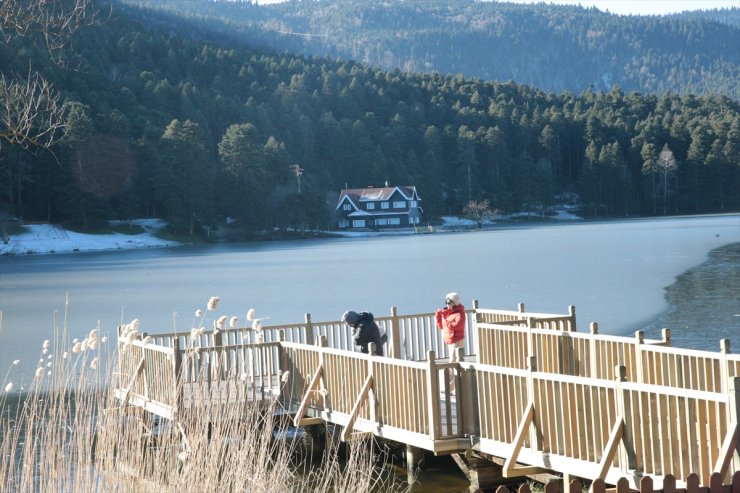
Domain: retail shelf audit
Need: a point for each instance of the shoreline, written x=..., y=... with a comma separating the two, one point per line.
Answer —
x=49, y=239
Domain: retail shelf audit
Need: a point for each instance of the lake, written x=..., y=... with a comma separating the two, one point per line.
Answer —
x=616, y=273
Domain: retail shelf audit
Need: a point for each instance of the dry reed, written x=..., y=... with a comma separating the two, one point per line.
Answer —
x=68, y=433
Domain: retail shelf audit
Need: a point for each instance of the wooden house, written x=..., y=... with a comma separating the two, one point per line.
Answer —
x=371, y=208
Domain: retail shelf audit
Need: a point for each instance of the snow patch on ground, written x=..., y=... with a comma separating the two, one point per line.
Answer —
x=48, y=238
x=559, y=215
x=450, y=221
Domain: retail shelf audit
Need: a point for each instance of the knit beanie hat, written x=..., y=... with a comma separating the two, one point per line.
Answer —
x=453, y=297
x=351, y=318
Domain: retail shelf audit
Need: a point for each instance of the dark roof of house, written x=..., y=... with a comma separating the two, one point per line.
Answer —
x=370, y=194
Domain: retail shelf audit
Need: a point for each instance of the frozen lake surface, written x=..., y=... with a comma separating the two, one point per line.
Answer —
x=615, y=273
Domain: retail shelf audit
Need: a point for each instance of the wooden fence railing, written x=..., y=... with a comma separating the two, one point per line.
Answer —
x=164, y=380
x=647, y=485
x=239, y=372
x=594, y=355
x=410, y=336
x=523, y=318
x=541, y=398
x=147, y=376
x=391, y=398
x=601, y=429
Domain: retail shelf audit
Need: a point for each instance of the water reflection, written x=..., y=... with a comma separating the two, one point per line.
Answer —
x=704, y=304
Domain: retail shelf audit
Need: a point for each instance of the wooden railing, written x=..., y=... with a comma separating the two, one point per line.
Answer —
x=594, y=355
x=147, y=376
x=667, y=484
x=540, y=398
x=410, y=336
x=523, y=318
x=601, y=429
x=234, y=372
x=387, y=397
x=164, y=379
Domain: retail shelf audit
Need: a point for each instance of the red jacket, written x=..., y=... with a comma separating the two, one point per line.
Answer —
x=452, y=323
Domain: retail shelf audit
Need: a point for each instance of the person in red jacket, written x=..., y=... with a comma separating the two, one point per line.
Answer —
x=451, y=320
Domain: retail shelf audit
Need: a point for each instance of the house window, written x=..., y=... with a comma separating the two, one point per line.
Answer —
x=385, y=205
x=399, y=204
x=381, y=222
x=358, y=223
x=347, y=207
x=413, y=220
x=413, y=203
x=370, y=205
x=394, y=221
x=343, y=223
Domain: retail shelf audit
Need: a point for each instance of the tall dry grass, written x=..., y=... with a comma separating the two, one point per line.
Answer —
x=67, y=433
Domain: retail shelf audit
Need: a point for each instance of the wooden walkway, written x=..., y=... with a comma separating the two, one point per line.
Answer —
x=531, y=391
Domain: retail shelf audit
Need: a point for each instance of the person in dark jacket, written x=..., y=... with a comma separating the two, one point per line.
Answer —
x=364, y=330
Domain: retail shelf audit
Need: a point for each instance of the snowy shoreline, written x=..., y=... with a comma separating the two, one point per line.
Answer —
x=49, y=238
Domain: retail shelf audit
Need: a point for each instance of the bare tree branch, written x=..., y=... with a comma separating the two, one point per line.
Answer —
x=56, y=21
x=31, y=112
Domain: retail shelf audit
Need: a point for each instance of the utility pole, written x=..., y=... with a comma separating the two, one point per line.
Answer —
x=297, y=171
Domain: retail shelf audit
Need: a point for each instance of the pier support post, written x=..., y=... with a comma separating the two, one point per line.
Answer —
x=483, y=474
x=414, y=458
x=315, y=439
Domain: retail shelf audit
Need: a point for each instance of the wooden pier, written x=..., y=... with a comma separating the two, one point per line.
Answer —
x=532, y=394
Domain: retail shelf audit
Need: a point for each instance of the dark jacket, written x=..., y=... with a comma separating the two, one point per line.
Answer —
x=364, y=330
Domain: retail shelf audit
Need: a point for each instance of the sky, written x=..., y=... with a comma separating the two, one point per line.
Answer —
x=626, y=7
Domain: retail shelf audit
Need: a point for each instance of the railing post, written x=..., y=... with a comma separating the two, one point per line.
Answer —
x=593, y=370
x=724, y=368
x=473, y=330
x=321, y=342
x=145, y=375
x=734, y=415
x=432, y=395
x=530, y=337
x=282, y=363
x=372, y=402
x=627, y=461
x=395, y=336
x=639, y=343
x=567, y=359
x=572, y=316
x=309, y=336
x=177, y=372
x=666, y=334
x=467, y=399
x=531, y=368
x=219, y=367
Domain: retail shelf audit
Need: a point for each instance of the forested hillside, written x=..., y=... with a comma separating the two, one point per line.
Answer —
x=551, y=47
x=169, y=119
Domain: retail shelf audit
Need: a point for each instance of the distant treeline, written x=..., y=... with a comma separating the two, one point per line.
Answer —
x=167, y=118
x=552, y=47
